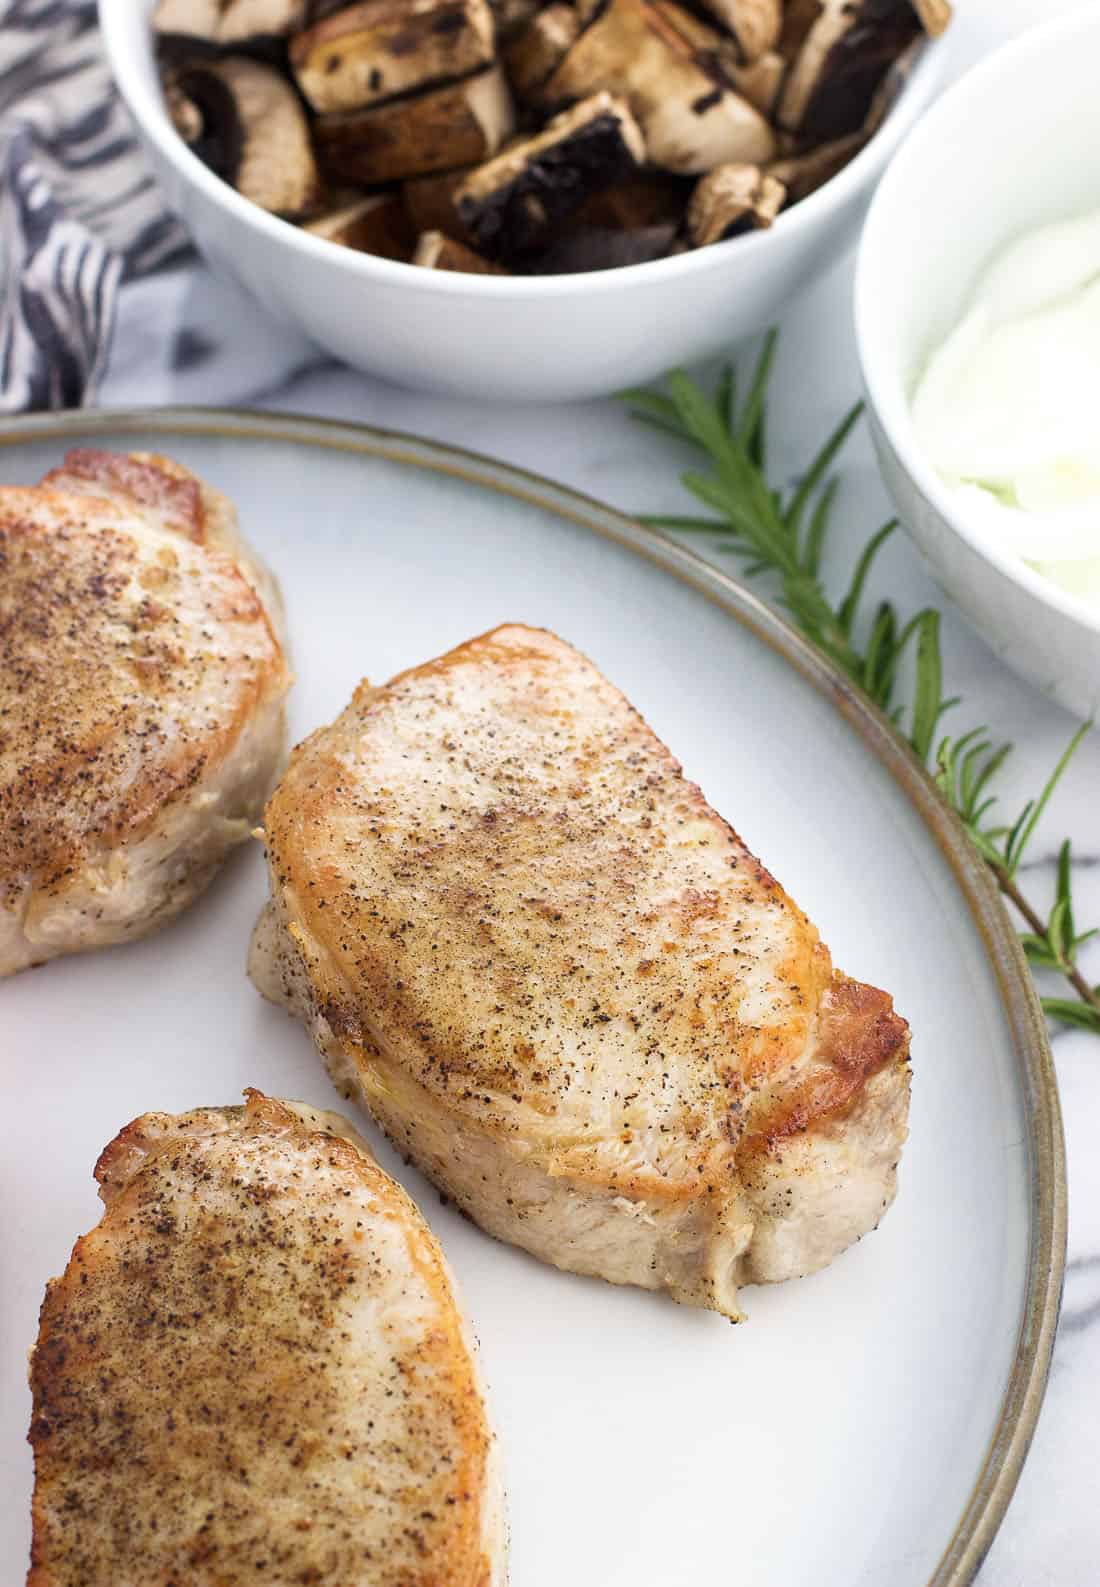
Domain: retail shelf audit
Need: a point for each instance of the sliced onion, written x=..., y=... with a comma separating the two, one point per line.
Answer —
x=1070, y=535
x=1078, y=578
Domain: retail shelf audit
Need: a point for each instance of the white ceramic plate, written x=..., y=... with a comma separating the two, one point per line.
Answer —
x=865, y=1427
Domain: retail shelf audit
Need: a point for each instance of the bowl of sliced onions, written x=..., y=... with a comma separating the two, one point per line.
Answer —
x=978, y=323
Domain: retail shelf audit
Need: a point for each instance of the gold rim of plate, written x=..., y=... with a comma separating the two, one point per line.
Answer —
x=986, y=1504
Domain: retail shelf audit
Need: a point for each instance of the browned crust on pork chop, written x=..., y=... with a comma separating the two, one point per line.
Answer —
x=254, y=1371
x=504, y=909
x=141, y=687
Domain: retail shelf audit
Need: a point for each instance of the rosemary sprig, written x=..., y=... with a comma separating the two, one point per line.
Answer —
x=784, y=535
x=964, y=768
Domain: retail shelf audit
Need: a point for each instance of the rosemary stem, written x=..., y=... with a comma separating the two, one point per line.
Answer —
x=1070, y=971
x=867, y=639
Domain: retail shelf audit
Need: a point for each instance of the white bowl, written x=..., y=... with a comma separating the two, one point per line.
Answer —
x=1009, y=147
x=548, y=338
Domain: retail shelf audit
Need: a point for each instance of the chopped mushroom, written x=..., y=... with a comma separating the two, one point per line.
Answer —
x=648, y=198
x=754, y=24
x=380, y=48
x=251, y=130
x=730, y=200
x=430, y=204
x=376, y=224
x=934, y=15
x=760, y=81
x=721, y=58
x=843, y=59
x=649, y=52
x=230, y=21
x=444, y=128
x=512, y=204
x=586, y=248
x=803, y=174
x=435, y=251
x=636, y=220
x=799, y=17
x=889, y=88
x=535, y=53
x=184, y=115
x=305, y=104
x=513, y=15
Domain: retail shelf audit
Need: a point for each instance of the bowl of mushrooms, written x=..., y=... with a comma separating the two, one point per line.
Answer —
x=523, y=199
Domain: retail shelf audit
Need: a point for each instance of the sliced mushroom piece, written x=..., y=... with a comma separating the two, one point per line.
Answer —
x=844, y=57
x=588, y=248
x=534, y=54
x=759, y=82
x=430, y=204
x=380, y=48
x=803, y=174
x=204, y=113
x=436, y=251
x=377, y=224
x=649, y=198
x=732, y=199
x=184, y=114
x=512, y=16
x=934, y=15
x=721, y=57
x=460, y=124
x=799, y=17
x=513, y=204
x=638, y=219
x=230, y=21
x=665, y=63
x=248, y=126
x=754, y=24
x=894, y=80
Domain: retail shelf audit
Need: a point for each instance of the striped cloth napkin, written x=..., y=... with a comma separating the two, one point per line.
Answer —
x=79, y=212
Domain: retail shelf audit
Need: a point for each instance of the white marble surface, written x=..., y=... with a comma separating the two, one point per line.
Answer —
x=187, y=338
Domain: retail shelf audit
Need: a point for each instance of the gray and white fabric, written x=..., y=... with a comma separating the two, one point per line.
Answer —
x=79, y=212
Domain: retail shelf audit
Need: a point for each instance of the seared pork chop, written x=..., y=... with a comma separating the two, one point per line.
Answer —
x=254, y=1371
x=564, y=986
x=142, y=681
